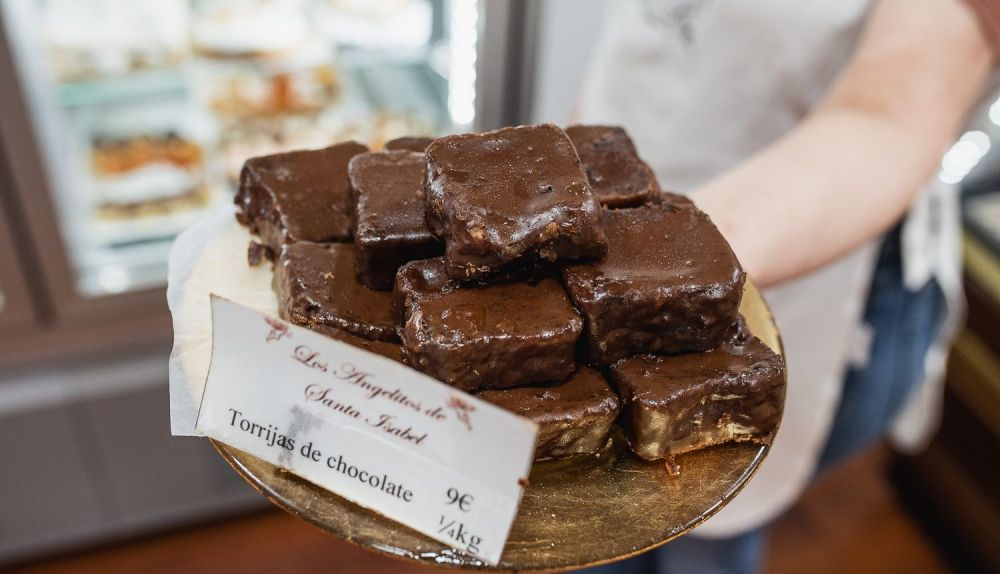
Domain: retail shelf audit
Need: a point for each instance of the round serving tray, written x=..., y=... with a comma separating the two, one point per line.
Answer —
x=574, y=513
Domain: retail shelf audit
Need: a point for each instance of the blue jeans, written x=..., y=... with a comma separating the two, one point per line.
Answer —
x=904, y=323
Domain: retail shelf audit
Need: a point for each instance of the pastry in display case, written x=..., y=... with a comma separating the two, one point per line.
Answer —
x=389, y=24
x=260, y=63
x=250, y=92
x=95, y=39
x=147, y=174
x=144, y=170
x=273, y=81
x=265, y=78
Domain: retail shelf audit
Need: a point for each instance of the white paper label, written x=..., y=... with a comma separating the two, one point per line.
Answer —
x=367, y=428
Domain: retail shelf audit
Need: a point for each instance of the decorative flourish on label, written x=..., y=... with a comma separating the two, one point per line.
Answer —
x=462, y=410
x=278, y=330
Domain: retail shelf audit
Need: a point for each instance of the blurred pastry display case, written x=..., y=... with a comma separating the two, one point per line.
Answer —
x=124, y=122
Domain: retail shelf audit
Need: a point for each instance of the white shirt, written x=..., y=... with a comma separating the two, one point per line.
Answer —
x=701, y=85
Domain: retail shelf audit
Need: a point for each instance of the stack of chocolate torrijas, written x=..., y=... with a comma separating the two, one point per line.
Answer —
x=541, y=269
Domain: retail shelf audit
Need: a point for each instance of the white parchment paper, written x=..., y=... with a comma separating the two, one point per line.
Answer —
x=209, y=257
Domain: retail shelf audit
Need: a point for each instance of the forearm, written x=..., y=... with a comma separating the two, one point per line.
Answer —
x=852, y=168
x=837, y=180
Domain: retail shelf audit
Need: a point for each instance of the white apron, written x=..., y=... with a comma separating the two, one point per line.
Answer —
x=701, y=85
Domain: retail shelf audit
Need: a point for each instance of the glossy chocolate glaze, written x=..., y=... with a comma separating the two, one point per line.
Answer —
x=616, y=174
x=388, y=350
x=411, y=143
x=574, y=417
x=669, y=283
x=510, y=196
x=317, y=284
x=670, y=198
x=390, y=227
x=473, y=337
x=679, y=403
x=298, y=196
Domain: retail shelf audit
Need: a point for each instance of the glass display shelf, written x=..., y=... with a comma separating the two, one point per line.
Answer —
x=122, y=89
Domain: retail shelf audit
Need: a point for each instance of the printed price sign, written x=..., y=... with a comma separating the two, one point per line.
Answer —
x=367, y=428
